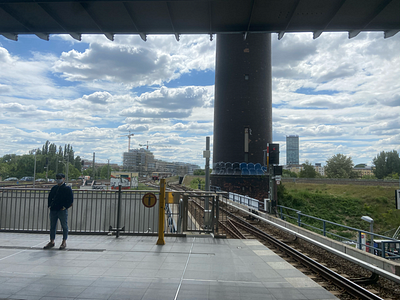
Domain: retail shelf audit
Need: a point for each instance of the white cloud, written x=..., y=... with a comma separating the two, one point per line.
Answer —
x=339, y=95
x=134, y=63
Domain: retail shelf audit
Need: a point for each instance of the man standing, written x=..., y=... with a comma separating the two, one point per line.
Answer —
x=59, y=200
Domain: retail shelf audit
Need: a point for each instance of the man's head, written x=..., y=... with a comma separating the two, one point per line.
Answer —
x=60, y=177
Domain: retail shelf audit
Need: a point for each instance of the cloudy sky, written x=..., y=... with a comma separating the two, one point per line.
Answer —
x=338, y=95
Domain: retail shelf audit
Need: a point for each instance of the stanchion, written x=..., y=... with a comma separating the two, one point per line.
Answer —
x=118, y=229
x=161, y=214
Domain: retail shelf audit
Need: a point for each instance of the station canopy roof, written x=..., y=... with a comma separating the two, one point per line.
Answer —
x=110, y=17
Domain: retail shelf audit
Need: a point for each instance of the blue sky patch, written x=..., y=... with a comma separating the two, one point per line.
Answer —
x=310, y=91
x=32, y=43
x=199, y=78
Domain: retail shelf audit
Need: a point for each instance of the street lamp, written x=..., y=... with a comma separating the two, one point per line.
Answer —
x=371, y=230
x=34, y=171
x=66, y=164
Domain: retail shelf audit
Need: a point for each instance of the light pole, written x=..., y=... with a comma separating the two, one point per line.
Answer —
x=66, y=164
x=371, y=230
x=34, y=171
x=108, y=169
x=67, y=168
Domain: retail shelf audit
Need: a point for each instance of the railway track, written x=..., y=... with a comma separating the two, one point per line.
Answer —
x=299, y=259
x=315, y=265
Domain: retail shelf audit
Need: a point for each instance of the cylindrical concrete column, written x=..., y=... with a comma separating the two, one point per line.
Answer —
x=243, y=97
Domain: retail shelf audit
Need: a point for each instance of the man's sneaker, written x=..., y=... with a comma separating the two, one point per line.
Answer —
x=63, y=246
x=49, y=245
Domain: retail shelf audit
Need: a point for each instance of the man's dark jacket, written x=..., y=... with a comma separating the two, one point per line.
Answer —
x=60, y=197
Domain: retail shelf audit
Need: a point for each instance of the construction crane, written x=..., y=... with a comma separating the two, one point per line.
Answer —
x=147, y=146
x=129, y=138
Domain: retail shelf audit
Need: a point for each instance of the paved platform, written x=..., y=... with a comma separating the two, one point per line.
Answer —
x=104, y=267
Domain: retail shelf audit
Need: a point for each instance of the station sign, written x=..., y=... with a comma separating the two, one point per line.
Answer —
x=149, y=200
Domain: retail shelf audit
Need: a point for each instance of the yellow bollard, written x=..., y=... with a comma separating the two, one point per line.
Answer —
x=161, y=214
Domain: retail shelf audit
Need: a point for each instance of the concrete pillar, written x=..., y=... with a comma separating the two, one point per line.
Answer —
x=243, y=97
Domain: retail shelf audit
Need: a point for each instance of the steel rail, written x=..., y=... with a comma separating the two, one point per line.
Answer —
x=229, y=230
x=349, y=286
x=236, y=230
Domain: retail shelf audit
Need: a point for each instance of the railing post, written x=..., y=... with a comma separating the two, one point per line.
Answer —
x=185, y=214
x=216, y=201
x=324, y=226
x=161, y=214
x=299, y=218
x=180, y=216
x=280, y=208
x=119, y=209
x=359, y=240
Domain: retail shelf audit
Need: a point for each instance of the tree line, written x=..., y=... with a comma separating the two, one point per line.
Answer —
x=50, y=160
x=386, y=166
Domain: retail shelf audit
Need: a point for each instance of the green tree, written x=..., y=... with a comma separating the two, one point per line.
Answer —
x=386, y=163
x=340, y=166
x=369, y=177
x=88, y=172
x=4, y=170
x=25, y=165
x=288, y=173
x=78, y=163
x=49, y=158
x=104, y=171
x=308, y=171
x=199, y=172
x=73, y=173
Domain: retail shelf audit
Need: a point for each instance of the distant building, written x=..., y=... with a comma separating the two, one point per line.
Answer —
x=319, y=169
x=363, y=170
x=292, y=149
x=139, y=160
x=143, y=161
x=297, y=168
x=293, y=168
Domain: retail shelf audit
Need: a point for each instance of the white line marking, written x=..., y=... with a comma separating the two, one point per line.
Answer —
x=20, y=252
x=184, y=270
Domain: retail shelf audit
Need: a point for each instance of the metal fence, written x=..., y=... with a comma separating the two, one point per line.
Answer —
x=250, y=202
x=93, y=211
x=105, y=211
x=385, y=247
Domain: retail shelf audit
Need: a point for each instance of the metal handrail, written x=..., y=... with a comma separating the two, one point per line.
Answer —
x=97, y=212
x=325, y=232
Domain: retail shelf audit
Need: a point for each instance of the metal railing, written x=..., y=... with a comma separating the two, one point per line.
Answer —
x=245, y=200
x=106, y=211
x=93, y=211
x=386, y=247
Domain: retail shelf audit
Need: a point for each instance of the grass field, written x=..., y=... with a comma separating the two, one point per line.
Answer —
x=344, y=204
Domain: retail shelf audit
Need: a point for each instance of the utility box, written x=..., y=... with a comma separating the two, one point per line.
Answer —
x=267, y=205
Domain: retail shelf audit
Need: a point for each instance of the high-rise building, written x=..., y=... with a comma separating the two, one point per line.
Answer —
x=292, y=149
x=138, y=160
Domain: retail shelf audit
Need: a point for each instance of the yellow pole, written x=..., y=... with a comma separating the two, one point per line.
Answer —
x=161, y=214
